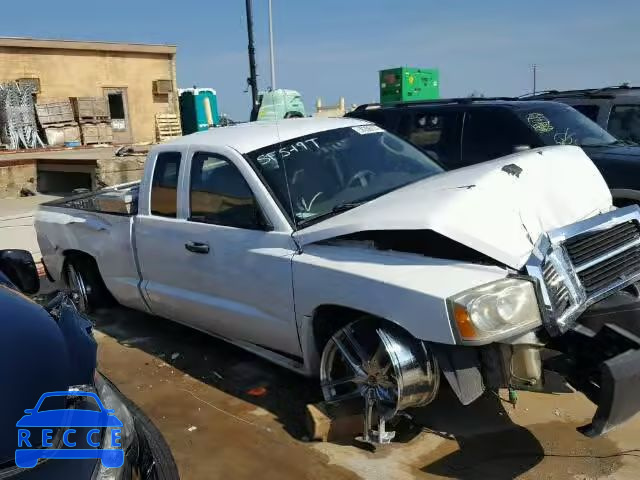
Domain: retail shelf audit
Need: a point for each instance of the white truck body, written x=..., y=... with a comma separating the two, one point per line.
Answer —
x=262, y=289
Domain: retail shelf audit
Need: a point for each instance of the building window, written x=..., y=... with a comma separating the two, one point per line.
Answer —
x=164, y=188
x=116, y=107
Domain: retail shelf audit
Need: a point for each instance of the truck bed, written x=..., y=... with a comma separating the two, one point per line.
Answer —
x=117, y=200
x=98, y=224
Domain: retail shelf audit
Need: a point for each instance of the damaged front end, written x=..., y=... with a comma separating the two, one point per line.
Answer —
x=593, y=323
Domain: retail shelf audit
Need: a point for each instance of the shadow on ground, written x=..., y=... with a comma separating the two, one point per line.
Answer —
x=216, y=363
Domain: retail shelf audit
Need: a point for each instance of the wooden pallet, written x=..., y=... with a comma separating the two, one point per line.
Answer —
x=167, y=126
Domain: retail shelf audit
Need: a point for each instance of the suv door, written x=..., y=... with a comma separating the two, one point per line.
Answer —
x=435, y=131
x=489, y=133
x=230, y=271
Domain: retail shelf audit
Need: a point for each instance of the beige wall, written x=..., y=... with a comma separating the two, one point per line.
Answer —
x=75, y=73
x=13, y=177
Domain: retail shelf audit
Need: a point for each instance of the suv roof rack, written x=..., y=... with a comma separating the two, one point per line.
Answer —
x=603, y=92
x=441, y=101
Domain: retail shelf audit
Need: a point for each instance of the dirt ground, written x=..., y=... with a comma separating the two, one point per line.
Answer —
x=197, y=391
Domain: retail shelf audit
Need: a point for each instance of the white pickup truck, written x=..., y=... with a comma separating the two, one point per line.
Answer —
x=333, y=248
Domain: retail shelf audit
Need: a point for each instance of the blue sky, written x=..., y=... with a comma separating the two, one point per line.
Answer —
x=333, y=48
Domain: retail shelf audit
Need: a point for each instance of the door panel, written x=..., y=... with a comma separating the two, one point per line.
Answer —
x=218, y=268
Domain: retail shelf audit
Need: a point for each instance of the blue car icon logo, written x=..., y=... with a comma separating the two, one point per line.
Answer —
x=75, y=428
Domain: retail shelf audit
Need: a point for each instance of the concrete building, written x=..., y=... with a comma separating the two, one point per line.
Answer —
x=138, y=80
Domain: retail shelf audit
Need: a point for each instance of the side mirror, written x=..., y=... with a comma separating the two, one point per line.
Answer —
x=521, y=148
x=20, y=269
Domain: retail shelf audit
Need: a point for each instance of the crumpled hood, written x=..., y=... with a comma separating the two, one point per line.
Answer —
x=498, y=208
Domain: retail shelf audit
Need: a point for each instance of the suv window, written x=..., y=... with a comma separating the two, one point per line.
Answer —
x=490, y=134
x=590, y=111
x=435, y=132
x=219, y=194
x=164, y=187
x=624, y=122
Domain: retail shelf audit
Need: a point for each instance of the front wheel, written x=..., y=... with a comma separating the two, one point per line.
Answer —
x=380, y=366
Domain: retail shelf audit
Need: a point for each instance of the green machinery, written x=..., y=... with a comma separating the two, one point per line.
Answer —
x=406, y=84
x=198, y=109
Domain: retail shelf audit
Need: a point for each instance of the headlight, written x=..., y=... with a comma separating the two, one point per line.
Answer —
x=111, y=399
x=495, y=310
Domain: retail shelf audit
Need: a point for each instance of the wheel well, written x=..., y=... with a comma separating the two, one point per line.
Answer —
x=624, y=202
x=79, y=255
x=328, y=319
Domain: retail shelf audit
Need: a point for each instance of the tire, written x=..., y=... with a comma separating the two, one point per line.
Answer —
x=83, y=279
x=161, y=465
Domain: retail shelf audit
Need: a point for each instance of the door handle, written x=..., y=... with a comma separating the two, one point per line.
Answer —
x=197, y=247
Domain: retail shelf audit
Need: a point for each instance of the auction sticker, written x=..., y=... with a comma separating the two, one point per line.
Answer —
x=365, y=129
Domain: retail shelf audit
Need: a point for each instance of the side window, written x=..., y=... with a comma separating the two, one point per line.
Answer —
x=164, y=187
x=624, y=122
x=219, y=194
x=491, y=134
x=435, y=132
x=589, y=111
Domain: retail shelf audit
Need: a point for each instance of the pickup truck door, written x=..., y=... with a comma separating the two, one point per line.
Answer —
x=222, y=266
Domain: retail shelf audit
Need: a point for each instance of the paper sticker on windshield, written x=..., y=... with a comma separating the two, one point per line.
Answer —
x=365, y=129
x=539, y=123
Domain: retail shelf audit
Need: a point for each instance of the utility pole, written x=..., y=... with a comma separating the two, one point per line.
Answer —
x=253, y=79
x=535, y=71
x=273, y=66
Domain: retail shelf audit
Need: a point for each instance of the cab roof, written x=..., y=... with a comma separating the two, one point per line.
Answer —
x=250, y=136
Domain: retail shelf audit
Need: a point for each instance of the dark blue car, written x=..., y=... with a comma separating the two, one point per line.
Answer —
x=52, y=349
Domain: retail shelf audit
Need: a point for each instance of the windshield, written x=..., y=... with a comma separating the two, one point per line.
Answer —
x=319, y=175
x=559, y=124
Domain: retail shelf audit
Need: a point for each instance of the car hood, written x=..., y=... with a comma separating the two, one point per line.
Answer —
x=39, y=353
x=614, y=152
x=498, y=208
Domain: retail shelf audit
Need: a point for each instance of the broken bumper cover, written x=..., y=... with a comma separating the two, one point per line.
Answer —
x=601, y=358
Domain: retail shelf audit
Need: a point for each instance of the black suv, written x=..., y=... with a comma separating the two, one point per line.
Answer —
x=466, y=131
x=616, y=109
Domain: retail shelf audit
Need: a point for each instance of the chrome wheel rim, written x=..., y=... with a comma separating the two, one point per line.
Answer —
x=365, y=360
x=78, y=288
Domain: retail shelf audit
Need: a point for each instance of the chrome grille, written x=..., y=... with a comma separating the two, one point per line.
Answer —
x=580, y=264
x=556, y=288
x=605, y=257
x=586, y=248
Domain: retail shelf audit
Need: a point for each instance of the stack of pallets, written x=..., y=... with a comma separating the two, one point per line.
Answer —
x=94, y=118
x=167, y=127
x=58, y=121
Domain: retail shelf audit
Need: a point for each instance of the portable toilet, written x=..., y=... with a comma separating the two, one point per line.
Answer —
x=198, y=109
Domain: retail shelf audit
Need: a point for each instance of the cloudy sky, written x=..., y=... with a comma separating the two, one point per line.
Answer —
x=333, y=48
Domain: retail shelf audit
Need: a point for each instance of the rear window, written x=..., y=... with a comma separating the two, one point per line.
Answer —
x=164, y=189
